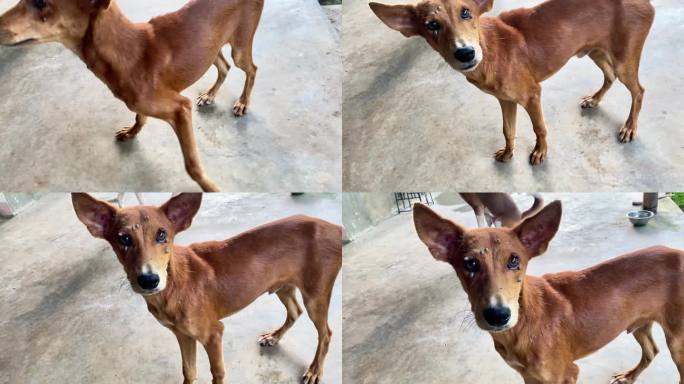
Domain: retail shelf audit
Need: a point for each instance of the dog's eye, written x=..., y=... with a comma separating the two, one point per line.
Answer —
x=125, y=239
x=465, y=14
x=161, y=236
x=40, y=4
x=433, y=25
x=471, y=265
x=513, y=263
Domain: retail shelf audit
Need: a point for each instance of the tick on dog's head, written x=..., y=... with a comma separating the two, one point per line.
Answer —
x=489, y=262
x=42, y=21
x=451, y=27
x=142, y=236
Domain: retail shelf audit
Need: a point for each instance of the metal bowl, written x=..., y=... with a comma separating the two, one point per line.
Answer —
x=640, y=218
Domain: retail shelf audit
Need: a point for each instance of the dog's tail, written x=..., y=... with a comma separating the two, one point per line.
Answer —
x=536, y=206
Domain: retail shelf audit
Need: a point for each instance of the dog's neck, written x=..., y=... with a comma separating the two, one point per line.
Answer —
x=181, y=263
x=491, y=34
x=109, y=36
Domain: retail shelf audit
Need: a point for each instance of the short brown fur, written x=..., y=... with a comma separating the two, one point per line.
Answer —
x=147, y=65
x=519, y=49
x=205, y=282
x=562, y=317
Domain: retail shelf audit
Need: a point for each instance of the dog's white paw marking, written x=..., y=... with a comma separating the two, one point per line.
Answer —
x=621, y=378
x=503, y=154
x=240, y=108
x=268, y=339
x=311, y=377
x=125, y=134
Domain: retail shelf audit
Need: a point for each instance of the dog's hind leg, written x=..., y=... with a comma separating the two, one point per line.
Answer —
x=648, y=351
x=207, y=97
x=604, y=62
x=317, y=308
x=242, y=56
x=126, y=134
x=288, y=297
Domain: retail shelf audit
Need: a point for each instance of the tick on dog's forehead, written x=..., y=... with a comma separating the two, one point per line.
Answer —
x=481, y=246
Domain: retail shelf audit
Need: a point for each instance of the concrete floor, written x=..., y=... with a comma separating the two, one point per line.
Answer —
x=411, y=122
x=59, y=120
x=67, y=314
x=405, y=313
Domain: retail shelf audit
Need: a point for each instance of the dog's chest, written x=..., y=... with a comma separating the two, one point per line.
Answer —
x=511, y=357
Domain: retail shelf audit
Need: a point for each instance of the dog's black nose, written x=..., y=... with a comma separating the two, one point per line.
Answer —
x=148, y=281
x=497, y=316
x=465, y=54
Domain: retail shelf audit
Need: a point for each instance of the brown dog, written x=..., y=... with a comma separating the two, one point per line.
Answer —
x=147, y=65
x=190, y=289
x=508, y=56
x=541, y=325
x=498, y=208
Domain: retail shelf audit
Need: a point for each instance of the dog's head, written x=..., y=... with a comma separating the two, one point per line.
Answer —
x=142, y=236
x=451, y=27
x=490, y=262
x=42, y=21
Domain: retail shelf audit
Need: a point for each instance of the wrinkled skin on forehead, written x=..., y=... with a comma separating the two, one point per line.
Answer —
x=501, y=256
x=43, y=21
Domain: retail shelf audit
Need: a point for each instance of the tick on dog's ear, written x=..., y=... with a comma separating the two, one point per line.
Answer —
x=402, y=18
x=537, y=231
x=441, y=236
x=97, y=215
x=484, y=5
x=181, y=209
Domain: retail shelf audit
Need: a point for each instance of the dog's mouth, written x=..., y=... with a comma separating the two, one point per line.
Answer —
x=467, y=67
x=149, y=292
x=504, y=328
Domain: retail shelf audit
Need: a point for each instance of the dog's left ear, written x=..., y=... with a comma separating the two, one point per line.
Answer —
x=537, y=231
x=181, y=209
x=484, y=5
x=401, y=18
x=97, y=215
x=95, y=5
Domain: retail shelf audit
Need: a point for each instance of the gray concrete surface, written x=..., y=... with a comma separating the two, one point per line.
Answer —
x=364, y=210
x=59, y=120
x=67, y=314
x=411, y=122
x=405, y=313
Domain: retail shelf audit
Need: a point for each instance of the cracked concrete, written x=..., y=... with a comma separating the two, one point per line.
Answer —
x=67, y=313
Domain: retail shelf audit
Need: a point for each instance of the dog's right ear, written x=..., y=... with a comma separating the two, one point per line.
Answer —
x=402, y=18
x=97, y=215
x=440, y=235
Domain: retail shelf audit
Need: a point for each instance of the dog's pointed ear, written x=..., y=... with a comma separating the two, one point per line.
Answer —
x=402, y=18
x=181, y=209
x=537, y=231
x=95, y=5
x=97, y=215
x=484, y=5
x=441, y=236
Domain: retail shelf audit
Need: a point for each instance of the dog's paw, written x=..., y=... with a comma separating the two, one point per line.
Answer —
x=621, y=378
x=589, y=102
x=503, y=155
x=311, y=377
x=268, y=339
x=627, y=134
x=239, y=108
x=538, y=155
x=205, y=99
x=125, y=134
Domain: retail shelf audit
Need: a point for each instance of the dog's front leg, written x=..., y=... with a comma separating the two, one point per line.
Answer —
x=534, y=109
x=213, y=344
x=181, y=121
x=509, y=111
x=188, y=347
x=129, y=133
